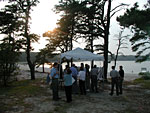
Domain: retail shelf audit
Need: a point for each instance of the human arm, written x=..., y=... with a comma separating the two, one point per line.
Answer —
x=54, y=72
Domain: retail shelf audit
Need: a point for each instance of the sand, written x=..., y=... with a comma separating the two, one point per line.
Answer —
x=133, y=99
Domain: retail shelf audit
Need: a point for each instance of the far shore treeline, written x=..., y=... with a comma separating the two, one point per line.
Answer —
x=22, y=57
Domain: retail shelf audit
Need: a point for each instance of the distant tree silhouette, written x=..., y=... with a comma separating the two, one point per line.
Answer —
x=10, y=44
x=138, y=21
x=43, y=57
x=121, y=45
x=96, y=23
x=23, y=9
x=70, y=10
x=57, y=40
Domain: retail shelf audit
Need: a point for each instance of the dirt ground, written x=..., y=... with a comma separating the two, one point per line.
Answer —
x=135, y=99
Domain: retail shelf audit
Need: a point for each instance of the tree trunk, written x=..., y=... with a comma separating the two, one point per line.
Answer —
x=105, y=59
x=92, y=64
x=71, y=61
x=106, y=40
x=119, y=44
x=117, y=56
x=4, y=80
x=32, y=70
x=31, y=65
x=72, y=33
x=43, y=68
x=92, y=50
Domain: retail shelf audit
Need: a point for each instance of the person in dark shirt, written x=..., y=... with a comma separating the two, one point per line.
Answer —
x=87, y=78
x=121, y=72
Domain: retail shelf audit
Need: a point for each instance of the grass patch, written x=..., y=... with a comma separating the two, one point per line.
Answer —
x=144, y=83
x=24, y=87
x=17, y=91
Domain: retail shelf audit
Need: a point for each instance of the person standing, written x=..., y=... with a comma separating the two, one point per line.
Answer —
x=82, y=65
x=60, y=70
x=114, y=80
x=74, y=73
x=81, y=76
x=87, y=78
x=121, y=78
x=101, y=74
x=94, y=74
x=54, y=75
x=65, y=70
x=68, y=85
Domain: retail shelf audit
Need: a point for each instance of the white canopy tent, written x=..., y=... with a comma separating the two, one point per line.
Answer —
x=81, y=54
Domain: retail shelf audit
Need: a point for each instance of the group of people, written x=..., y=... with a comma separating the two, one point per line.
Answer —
x=80, y=80
x=117, y=79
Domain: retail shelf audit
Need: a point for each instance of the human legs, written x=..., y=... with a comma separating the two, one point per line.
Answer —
x=120, y=86
x=55, y=89
x=68, y=91
x=83, y=86
x=80, y=85
x=95, y=83
x=92, y=83
x=75, y=88
x=112, y=85
x=116, y=82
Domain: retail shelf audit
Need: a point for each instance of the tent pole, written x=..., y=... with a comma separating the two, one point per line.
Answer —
x=71, y=62
x=92, y=64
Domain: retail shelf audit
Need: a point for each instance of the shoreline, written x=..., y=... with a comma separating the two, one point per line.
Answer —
x=25, y=74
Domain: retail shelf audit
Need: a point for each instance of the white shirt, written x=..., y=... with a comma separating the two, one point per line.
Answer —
x=81, y=75
x=114, y=74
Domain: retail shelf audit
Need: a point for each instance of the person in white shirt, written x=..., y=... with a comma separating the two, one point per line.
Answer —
x=114, y=80
x=81, y=76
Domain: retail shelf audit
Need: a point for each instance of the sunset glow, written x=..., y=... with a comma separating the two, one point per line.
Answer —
x=43, y=18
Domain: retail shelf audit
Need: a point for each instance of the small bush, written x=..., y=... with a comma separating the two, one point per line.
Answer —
x=145, y=76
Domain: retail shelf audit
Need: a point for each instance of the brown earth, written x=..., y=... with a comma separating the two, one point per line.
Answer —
x=135, y=99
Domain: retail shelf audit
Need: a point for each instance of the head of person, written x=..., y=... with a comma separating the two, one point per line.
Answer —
x=55, y=64
x=81, y=68
x=121, y=67
x=73, y=65
x=68, y=71
x=113, y=67
x=67, y=66
x=50, y=65
x=86, y=66
x=95, y=66
x=82, y=65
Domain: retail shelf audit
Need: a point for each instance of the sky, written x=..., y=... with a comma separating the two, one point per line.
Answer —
x=44, y=19
x=115, y=28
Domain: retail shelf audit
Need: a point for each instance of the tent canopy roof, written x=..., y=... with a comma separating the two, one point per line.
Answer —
x=81, y=54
